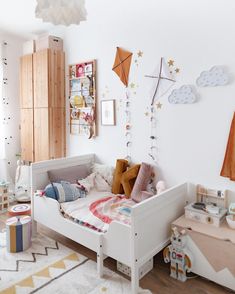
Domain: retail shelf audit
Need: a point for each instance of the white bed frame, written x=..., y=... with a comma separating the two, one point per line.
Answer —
x=132, y=245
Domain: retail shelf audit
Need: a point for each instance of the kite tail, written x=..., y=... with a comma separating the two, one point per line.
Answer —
x=128, y=126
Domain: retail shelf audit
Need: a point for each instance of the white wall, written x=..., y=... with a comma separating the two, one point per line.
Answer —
x=12, y=110
x=197, y=34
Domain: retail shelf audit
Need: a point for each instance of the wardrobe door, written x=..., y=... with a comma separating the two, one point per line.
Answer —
x=26, y=132
x=26, y=81
x=40, y=78
x=57, y=132
x=41, y=134
x=56, y=78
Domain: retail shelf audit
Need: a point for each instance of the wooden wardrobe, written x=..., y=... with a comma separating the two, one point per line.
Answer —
x=42, y=100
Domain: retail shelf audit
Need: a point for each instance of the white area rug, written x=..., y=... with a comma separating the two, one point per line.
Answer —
x=49, y=267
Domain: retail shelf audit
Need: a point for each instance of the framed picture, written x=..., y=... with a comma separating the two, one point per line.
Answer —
x=108, y=113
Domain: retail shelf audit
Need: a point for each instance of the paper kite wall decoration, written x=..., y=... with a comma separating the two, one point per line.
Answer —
x=163, y=79
x=213, y=77
x=122, y=65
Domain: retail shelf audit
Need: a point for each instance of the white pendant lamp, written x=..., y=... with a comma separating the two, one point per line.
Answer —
x=61, y=12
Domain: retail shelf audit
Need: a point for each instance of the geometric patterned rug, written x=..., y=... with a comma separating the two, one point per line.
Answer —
x=50, y=267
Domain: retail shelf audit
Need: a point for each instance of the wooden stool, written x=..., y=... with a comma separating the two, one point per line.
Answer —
x=20, y=209
x=19, y=232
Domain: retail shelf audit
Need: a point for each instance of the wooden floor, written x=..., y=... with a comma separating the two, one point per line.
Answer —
x=158, y=280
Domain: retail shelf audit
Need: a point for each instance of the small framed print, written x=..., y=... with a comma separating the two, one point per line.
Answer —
x=108, y=113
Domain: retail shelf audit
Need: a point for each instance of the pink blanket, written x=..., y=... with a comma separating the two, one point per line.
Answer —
x=113, y=208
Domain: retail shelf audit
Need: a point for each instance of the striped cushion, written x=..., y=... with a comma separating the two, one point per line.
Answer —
x=64, y=191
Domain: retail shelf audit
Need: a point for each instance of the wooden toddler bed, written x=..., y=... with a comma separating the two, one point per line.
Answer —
x=133, y=244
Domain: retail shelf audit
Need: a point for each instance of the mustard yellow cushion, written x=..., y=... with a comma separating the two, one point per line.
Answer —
x=121, y=166
x=128, y=179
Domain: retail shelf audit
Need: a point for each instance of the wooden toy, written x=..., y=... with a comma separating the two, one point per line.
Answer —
x=4, y=197
x=210, y=207
x=178, y=255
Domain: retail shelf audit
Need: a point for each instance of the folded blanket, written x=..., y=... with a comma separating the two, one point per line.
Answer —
x=95, y=181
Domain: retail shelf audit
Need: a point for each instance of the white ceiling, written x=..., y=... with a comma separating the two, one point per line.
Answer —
x=17, y=17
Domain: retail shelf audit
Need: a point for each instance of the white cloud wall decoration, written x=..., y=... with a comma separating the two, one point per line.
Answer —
x=212, y=78
x=183, y=95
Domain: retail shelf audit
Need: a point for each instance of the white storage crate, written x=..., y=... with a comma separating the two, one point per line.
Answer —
x=144, y=269
x=28, y=47
x=49, y=42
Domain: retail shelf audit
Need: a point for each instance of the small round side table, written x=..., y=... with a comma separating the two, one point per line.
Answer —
x=19, y=233
x=19, y=209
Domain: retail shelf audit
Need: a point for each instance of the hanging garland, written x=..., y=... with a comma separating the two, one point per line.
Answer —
x=128, y=103
x=128, y=135
x=164, y=78
x=5, y=100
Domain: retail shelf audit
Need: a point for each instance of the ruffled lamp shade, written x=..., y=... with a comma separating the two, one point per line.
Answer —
x=61, y=12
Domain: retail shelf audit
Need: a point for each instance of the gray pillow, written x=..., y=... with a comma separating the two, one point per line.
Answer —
x=69, y=174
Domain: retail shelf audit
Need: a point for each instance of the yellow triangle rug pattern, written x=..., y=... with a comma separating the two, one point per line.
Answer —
x=45, y=273
x=50, y=267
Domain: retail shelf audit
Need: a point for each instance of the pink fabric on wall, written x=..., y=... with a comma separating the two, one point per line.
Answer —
x=139, y=190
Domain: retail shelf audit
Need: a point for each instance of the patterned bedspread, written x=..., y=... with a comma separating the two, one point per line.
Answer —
x=98, y=210
x=112, y=208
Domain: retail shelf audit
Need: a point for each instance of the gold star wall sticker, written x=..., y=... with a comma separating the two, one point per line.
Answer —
x=177, y=70
x=171, y=62
x=132, y=85
x=159, y=105
x=140, y=53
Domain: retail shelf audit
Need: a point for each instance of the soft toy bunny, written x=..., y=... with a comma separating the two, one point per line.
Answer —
x=160, y=187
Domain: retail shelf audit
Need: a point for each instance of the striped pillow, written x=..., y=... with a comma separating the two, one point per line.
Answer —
x=64, y=191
